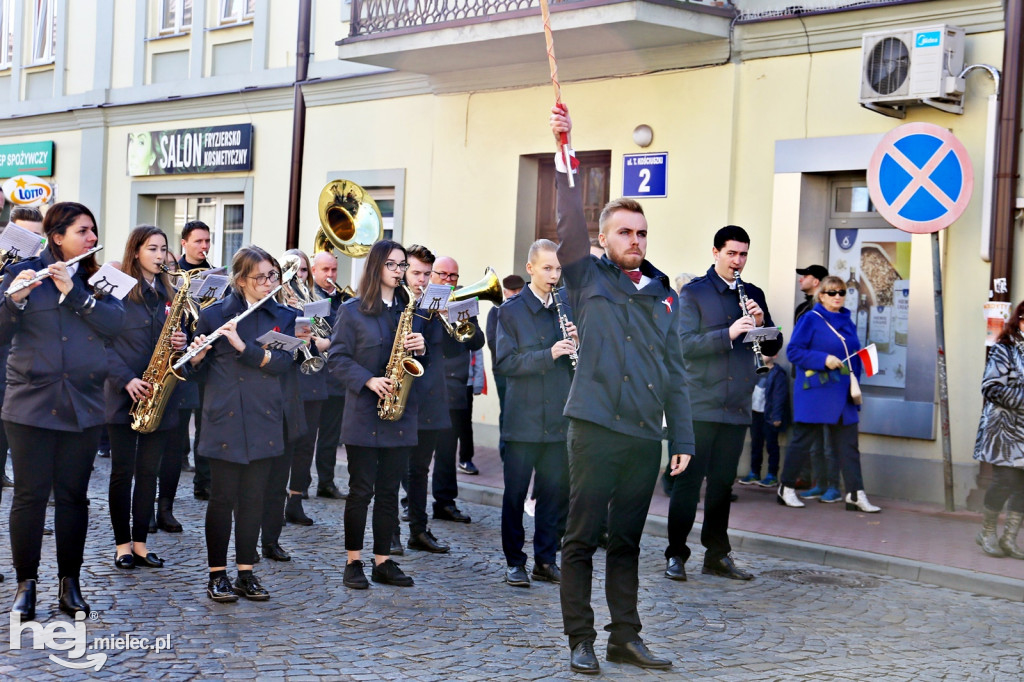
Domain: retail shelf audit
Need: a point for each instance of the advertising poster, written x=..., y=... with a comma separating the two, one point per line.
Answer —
x=875, y=264
x=214, y=149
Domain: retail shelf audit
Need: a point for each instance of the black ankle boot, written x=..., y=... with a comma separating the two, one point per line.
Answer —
x=165, y=515
x=293, y=512
x=70, y=597
x=152, y=523
x=25, y=600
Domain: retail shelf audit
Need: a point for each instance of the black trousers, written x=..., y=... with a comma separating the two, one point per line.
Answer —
x=201, y=480
x=465, y=428
x=170, y=465
x=501, y=382
x=1007, y=485
x=763, y=435
x=46, y=460
x=303, y=449
x=550, y=487
x=416, y=480
x=445, y=485
x=843, y=438
x=236, y=491
x=134, y=457
x=611, y=476
x=4, y=446
x=373, y=474
x=327, y=440
x=718, y=454
x=275, y=494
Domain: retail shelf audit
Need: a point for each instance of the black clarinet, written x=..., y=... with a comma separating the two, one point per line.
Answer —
x=759, y=366
x=563, y=325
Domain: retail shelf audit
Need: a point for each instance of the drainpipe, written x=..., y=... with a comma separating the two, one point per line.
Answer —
x=298, y=124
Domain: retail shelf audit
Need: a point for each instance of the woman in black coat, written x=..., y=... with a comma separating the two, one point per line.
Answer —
x=53, y=409
x=243, y=416
x=378, y=450
x=134, y=455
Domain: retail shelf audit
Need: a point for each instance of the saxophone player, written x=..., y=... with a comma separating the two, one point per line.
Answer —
x=135, y=457
x=378, y=450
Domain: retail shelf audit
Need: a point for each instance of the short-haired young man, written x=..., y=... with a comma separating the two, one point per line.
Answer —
x=533, y=357
x=195, y=245
x=720, y=369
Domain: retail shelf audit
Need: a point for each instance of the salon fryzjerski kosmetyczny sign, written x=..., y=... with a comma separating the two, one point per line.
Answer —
x=214, y=149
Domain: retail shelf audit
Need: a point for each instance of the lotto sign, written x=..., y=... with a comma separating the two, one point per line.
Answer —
x=27, y=190
x=920, y=178
x=643, y=175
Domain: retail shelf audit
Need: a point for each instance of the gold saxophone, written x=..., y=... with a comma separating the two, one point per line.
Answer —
x=160, y=375
x=402, y=367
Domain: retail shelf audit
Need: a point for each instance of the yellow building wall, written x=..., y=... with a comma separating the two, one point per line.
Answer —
x=122, y=71
x=81, y=54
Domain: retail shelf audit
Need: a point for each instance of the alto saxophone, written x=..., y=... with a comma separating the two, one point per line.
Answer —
x=402, y=367
x=160, y=375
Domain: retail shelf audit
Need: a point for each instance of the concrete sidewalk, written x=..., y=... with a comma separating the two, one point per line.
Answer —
x=906, y=540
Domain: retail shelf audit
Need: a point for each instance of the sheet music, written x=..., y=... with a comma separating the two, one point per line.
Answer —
x=303, y=325
x=435, y=297
x=463, y=310
x=761, y=334
x=277, y=341
x=321, y=308
x=212, y=271
x=211, y=286
x=21, y=242
x=110, y=281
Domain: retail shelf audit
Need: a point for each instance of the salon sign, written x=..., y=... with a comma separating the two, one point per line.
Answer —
x=213, y=149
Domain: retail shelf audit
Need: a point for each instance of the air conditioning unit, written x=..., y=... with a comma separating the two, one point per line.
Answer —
x=913, y=66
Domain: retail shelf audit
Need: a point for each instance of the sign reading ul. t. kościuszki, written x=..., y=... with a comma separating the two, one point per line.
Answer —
x=213, y=149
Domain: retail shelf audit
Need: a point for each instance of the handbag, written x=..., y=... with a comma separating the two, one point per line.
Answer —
x=856, y=395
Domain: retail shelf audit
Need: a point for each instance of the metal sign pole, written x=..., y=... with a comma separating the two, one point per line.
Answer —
x=940, y=343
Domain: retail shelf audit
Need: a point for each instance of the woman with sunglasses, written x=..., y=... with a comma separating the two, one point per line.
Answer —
x=821, y=349
x=378, y=450
x=243, y=416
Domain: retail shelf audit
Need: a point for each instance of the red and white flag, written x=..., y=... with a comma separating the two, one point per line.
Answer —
x=869, y=358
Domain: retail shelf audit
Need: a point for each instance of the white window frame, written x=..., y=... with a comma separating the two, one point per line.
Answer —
x=179, y=17
x=243, y=12
x=44, y=32
x=6, y=33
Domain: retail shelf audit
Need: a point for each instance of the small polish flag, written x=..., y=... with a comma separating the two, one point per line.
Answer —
x=869, y=358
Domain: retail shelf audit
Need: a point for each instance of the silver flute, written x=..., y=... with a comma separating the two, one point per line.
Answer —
x=563, y=324
x=26, y=283
x=759, y=366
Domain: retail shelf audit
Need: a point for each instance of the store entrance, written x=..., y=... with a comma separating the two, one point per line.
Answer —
x=224, y=213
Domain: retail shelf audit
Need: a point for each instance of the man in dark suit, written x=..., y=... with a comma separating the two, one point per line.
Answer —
x=510, y=286
x=720, y=369
x=629, y=377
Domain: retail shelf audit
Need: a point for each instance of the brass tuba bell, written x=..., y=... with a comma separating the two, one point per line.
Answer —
x=487, y=289
x=350, y=220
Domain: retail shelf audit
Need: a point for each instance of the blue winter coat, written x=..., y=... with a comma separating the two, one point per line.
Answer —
x=823, y=396
x=57, y=363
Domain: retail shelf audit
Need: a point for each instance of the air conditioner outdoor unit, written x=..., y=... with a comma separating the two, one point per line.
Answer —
x=913, y=66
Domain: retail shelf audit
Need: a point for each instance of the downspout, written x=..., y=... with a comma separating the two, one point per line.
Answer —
x=298, y=124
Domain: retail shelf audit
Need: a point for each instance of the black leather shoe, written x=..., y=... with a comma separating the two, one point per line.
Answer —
x=426, y=542
x=674, y=569
x=275, y=552
x=331, y=492
x=201, y=493
x=549, y=573
x=25, y=600
x=69, y=597
x=165, y=516
x=151, y=560
x=583, y=659
x=636, y=653
x=293, y=512
x=451, y=513
x=516, y=576
x=396, y=545
x=153, y=528
x=219, y=589
x=388, y=573
x=250, y=588
x=125, y=561
x=354, y=576
x=726, y=568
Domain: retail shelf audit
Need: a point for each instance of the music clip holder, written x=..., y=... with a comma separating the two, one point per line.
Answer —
x=761, y=334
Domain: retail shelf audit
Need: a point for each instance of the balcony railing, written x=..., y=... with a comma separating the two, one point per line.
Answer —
x=371, y=17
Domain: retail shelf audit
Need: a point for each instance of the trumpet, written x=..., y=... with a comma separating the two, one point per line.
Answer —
x=26, y=283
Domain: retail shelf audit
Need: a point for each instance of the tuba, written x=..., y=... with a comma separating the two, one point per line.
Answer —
x=350, y=220
x=487, y=289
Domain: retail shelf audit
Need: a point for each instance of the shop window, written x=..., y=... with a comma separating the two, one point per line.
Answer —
x=594, y=173
x=236, y=11
x=44, y=32
x=175, y=16
x=6, y=33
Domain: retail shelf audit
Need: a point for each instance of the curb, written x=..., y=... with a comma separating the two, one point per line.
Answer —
x=960, y=579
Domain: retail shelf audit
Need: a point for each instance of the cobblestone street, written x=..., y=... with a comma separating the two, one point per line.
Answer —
x=460, y=622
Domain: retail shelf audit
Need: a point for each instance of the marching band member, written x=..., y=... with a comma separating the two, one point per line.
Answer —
x=378, y=450
x=532, y=356
x=243, y=406
x=134, y=455
x=195, y=246
x=53, y=411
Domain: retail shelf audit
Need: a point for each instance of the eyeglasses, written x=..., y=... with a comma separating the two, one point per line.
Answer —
x=393, y=266
x=453, y=276
x=835, y=293
x=273, y=277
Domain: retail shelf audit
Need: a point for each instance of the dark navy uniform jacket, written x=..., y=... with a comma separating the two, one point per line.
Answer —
x=456, y=365
x=538, y=385
x=334, y=386
x=129, y=353
x=57, y=364
x=630, y=372
x=360, y=351
x=430, y=388
x=187, y=398
x=243, y=403
x=720, y=371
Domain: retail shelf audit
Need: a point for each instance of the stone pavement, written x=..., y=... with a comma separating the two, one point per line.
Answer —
x=460, y=622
